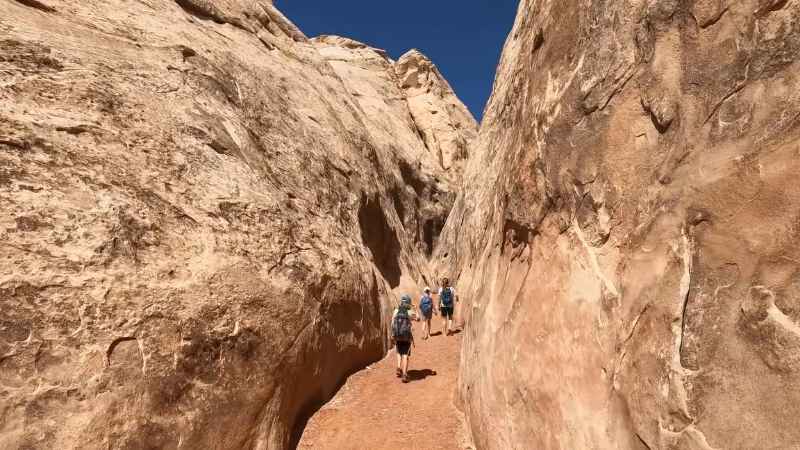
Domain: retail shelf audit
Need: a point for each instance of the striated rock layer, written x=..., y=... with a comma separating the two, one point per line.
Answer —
x=629, y=237
x=199, y=227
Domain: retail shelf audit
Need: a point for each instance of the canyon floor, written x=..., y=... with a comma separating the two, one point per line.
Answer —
x=375, y=410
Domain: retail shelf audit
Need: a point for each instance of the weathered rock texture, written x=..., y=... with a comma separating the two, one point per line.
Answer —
x=629, y=238
x=442, y=120
x=199, y=231
x=424, y=128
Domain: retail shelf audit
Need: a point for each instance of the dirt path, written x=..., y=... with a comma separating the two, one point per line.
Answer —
x=375, y=410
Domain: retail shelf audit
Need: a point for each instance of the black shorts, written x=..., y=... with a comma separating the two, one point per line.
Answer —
x=447, y=313
x=404, y=348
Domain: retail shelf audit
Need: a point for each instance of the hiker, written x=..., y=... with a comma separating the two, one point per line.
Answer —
x=402, y=335
x=447, y=306
x=426, y=311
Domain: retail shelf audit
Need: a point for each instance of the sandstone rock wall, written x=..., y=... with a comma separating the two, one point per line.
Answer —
x=444, y=123
x=628, y=238
x=199, y=236
x=417, y=123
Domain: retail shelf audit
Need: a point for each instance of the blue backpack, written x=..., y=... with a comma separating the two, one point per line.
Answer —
x=446, y=297
x=426, y=304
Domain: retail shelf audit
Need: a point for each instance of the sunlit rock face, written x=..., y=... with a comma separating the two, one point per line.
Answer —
x=628, y=239
x=200, y=233
x=444, y=123
x=422, y=128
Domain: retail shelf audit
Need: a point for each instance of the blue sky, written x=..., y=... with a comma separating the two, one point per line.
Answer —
x=463, y=38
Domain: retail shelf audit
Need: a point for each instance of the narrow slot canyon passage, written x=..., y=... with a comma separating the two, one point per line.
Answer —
x=375, y=410
x=209, y=210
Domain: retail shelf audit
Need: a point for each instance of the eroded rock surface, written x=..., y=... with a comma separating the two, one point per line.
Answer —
x=199, y=235
x=423, y=128
x=628, y=237
x=445, y=124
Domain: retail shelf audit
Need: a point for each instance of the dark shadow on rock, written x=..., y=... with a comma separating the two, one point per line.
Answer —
x=381, y=239
x=431, y=230
x=438, y=333
x=417, y=375
x=455, y=332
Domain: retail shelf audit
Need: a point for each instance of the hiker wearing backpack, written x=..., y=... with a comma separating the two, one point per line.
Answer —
x=426, y=312
x=447, y=306
x=402, y=335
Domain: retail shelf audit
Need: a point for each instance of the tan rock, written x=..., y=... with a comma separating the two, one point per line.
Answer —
x=406, y=124
x=197, y=232
x=445, y=124
x=627, y=241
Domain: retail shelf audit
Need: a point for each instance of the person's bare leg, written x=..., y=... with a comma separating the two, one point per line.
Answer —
x=399, y=363
x=405, y=365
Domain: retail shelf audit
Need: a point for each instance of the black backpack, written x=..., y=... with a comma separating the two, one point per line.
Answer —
x=401, y=326
x=447, y=297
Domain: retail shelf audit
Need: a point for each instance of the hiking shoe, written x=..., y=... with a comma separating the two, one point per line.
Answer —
x=405, y=378
x=399, y=373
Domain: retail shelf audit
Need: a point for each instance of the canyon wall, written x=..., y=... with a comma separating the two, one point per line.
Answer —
x=201, y=231
x=424, y=128
x=628, y=242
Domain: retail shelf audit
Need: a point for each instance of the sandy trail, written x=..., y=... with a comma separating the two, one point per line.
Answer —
x=375, y=410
